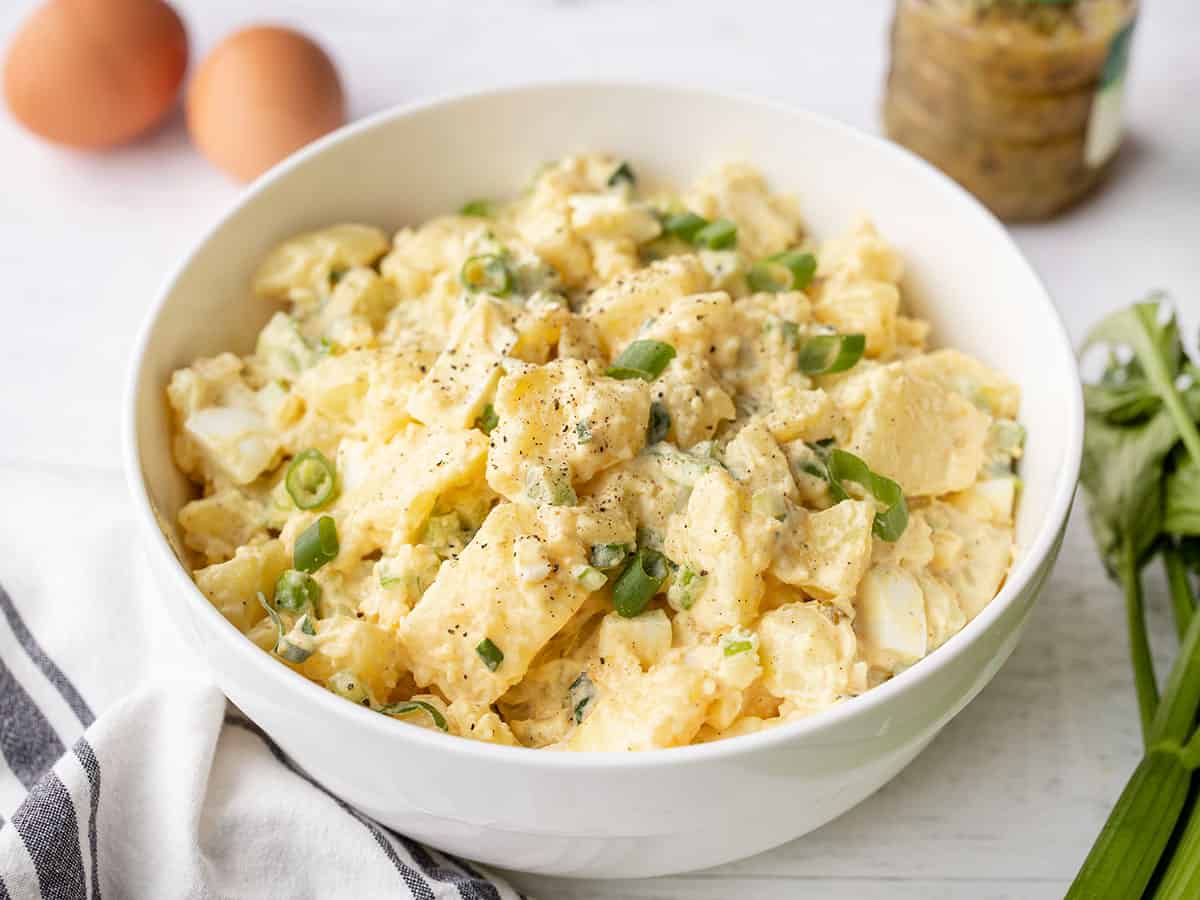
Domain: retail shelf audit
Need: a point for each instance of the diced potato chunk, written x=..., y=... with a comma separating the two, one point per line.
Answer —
x=566, y=419
x=978, y=384
x=806, y=658
x=767, y=223
x=236, y=441
x=646, y=637
x=694, y=399
x=233, y=586
x=398, y=582
x=478, y=596
x=983, y=552
x=663, y=707
x=347, y=644
x=702, y=325
x=299, y=268
x=800, y=415
x=826, y=553
x=754, y=459
x=621, y=309
x=388, y=490
x=218, y=524
x=912, y=430
x=720, y=538
x=465, y=375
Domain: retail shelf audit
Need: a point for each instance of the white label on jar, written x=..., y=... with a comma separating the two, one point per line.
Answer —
x=1106, y=121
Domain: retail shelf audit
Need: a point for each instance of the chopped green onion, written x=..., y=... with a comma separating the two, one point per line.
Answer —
x=787, y=271
x=316, y=545
x=297, y=592
x=405, y=707
x=622, y=173
x=641, y=359
x=583, y=431
x=487, y=419
x=336, y=275
x=684, y=225
x=347, y=684
x=293, y=646
x=488, y=273
x=480, y=209
x=543, y=485
x=660, y=423
x=686, y=588
x=829, y=353
x=608, y=556
x=718, y=235
x=791, y=333
x=733, y=648
x=590, y=577
x=1008, y=435
x=580, y=695
x=311, y=479
x=490, y=654
x=843, y=466
x=639, y=582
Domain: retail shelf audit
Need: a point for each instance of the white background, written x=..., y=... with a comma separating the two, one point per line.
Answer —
x=1007, y=800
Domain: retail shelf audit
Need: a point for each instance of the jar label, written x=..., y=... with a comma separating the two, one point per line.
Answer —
x=1105, y=123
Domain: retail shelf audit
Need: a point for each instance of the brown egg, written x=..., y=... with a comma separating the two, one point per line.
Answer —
x=261, y=94
x=95, y=73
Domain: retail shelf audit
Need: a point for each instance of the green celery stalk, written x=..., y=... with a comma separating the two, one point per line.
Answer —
x=1183, y=601
x=1128, y=850
x=1144, y=681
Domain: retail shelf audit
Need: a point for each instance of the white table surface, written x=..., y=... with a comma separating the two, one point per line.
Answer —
x=1008, y=798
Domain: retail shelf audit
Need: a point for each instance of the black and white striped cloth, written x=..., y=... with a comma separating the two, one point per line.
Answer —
x=124, y=773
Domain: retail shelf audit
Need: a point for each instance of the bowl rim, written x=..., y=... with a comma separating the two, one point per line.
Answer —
x=287, y=680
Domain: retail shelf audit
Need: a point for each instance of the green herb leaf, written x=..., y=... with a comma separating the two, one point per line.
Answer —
x=608, y=556
x=487, y=419
x=684, y=225
x=407, y=707
x=479, y=209
x=311, y=479
x=622, y=174
x=490, y=654
x=639, y=582
x=641, y=359
x=829, y=353
x=787, y=271
x=718, y=235
x=316, y=545
x=488, y=273
x=659, y=425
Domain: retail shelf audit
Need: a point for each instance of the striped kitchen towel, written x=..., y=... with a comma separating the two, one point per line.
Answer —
x=124, y=773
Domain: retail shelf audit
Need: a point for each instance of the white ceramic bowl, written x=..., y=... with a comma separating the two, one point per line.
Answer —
x=592, y=814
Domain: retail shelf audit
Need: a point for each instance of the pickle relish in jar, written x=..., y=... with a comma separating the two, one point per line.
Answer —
x=1017, y=100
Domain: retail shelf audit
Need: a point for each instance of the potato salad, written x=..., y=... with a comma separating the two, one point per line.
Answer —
x=606, y=467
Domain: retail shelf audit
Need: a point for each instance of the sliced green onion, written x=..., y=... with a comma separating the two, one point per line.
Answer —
x=487, y=419
x=684, y=225
x=347, y=684
x=686, y=588
x=543, y=485
x=583, y=431
x=294, y=645
x=297, y=592
x=787, y=271
x=580, y=695
x=622, y=173
x=639, y=582
x=488, y=273
x=733, y=648
x=608, y=556
x=844, y=466
x=490, y=654
x=791, y=333
x=311, y=479
x=480, y=209
x=829, y=353
x=316, y=545
x=718, y=235
x=590, y=577
x=641, y=359
x=406, y=707
x=659, y=425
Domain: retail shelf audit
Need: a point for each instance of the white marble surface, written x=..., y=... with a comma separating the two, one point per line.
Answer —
x=1006, y=801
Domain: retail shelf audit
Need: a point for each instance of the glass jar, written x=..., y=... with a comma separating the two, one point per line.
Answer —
x=1018, y=100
